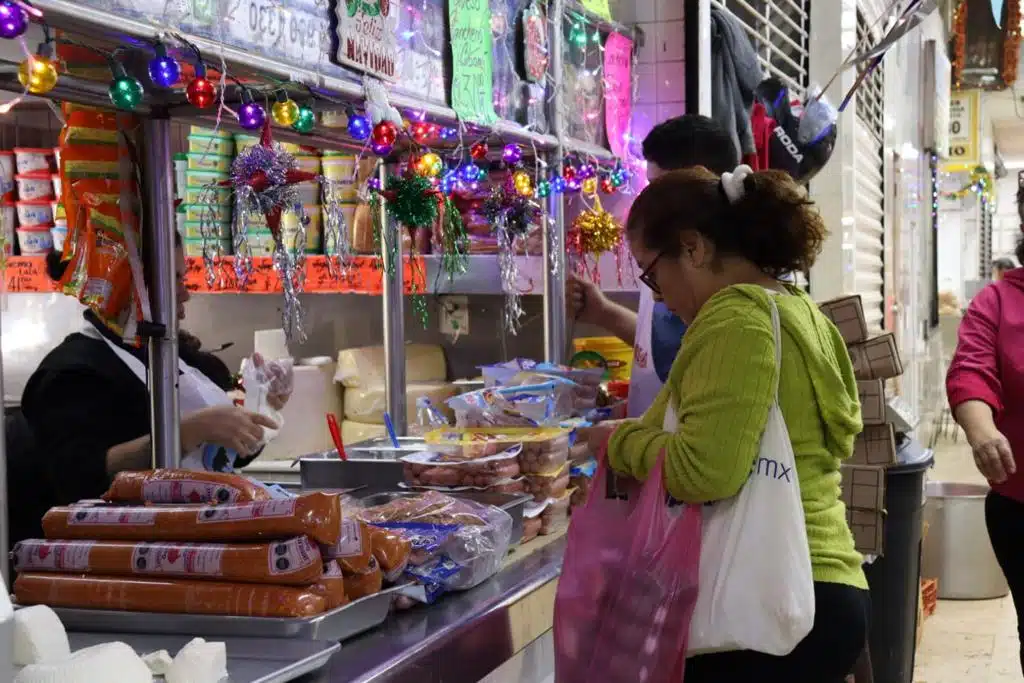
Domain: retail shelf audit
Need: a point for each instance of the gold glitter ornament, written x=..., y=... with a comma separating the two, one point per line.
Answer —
x=590, y=186
x=596, y=231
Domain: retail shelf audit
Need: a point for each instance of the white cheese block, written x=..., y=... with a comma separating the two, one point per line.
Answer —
x=109, y=662
x=39, y=637
x=354, y=432
x=367, y=404
x=364, y=367
x=199, y=662
x=158, y=662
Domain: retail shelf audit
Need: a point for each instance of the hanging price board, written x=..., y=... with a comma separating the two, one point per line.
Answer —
x=472, y=69
x=367, y=36
x=27, y=275
x=964, y=129
x=363, y=275
x=618, y=90
x=598, y=7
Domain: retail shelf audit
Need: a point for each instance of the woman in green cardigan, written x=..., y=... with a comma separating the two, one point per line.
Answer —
x=713, y=250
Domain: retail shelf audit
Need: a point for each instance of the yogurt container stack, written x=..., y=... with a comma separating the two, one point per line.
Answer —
x=30, y=200
x=198, y=174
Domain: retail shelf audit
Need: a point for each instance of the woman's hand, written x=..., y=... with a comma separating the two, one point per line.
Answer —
x=993, y=455
x=282, y=381
x=595, y=437
x=584, y=301
x=226, y=425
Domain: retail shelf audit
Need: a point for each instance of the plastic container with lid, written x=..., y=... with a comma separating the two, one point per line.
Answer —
x=30, y=159
x=219, y=213
x=35, y=212
x=618, y=389
x=34, y=186
x=197, y=161
x=194, y=230
x=35, y=239
x=210, y=144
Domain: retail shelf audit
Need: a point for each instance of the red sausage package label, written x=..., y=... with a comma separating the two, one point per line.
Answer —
x=233, y=513
x=288, y=556
x=65, y=556
x=163, y=492
x=101, y=516
x=351, y=542
x=179, y=558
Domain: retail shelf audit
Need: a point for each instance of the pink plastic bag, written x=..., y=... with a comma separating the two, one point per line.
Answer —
x=628, y=585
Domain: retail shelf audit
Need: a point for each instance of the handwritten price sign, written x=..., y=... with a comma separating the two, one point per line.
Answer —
x=472, y=69
x=27, y=275
x=362, y=275
x=618, y=88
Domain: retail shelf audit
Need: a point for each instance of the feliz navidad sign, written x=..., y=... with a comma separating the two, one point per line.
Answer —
x=366, y=36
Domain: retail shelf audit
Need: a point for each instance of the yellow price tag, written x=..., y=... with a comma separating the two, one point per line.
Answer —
x=598, y=7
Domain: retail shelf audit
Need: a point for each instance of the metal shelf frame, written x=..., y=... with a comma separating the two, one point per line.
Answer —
x=158, y=110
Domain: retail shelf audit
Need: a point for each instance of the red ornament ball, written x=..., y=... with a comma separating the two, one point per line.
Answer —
x=606, y=186
x=420, y=132
x=385, y=134
x=479, y=151
x=201, y=93
x=569, y=173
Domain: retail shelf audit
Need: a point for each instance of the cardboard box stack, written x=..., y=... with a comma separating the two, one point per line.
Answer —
x=875, y=360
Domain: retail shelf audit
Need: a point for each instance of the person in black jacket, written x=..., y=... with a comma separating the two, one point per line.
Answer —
x=85, y=415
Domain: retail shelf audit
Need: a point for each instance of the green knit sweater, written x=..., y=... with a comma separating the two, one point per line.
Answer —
x=721, y=387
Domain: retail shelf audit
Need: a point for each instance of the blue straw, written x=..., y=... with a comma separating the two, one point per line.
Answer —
x=391, y=430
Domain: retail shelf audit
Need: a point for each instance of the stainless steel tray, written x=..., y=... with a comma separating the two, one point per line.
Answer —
x=338, y=624
x=372, y=464
x=512, y=503
x=250, y=660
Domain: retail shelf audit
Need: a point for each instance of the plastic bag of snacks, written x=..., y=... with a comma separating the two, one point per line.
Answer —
x=534, y=405
x=543, y=449
x=456, y=544
x=628, y=586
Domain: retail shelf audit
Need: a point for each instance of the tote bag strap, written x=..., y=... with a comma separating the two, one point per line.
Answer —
x=777, y=334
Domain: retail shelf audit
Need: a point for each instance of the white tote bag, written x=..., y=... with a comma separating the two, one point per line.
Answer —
x=756, y=591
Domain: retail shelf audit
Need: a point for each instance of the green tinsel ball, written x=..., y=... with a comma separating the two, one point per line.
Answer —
x=414, y=202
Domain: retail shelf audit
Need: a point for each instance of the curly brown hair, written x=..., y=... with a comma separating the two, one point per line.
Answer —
x=774, y=225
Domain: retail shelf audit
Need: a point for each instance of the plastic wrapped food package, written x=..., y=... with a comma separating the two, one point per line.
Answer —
x=353, y=551
x=580, y=477
x=547, y=485
x=544, y=456
x=456, y=544
x=542, y=404
x=361, y=584
x=184, y=486
x=503, y=373
x=462, y=444
x=555, y=514
x=431, y=469
x=531, y=529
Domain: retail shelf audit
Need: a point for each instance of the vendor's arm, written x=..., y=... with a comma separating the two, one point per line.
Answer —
x=722, y=390
x=586, y=303
x=973, y=376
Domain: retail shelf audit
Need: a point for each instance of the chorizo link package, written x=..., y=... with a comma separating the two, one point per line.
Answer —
x=294, y=562
x=184, y=486
x=167, y=596
x=317, y=515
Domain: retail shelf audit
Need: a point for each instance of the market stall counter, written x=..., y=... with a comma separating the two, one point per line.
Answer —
x=464, y=637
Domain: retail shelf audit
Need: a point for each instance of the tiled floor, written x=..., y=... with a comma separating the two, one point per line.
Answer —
x=967, y=641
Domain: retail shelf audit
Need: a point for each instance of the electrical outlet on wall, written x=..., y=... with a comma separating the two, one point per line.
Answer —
x=454, y=315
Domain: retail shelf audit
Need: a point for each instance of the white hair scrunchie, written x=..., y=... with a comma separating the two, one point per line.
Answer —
x=732, y=183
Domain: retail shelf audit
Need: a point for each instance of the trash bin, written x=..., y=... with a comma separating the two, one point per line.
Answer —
x=959, y=553
x=895, y=577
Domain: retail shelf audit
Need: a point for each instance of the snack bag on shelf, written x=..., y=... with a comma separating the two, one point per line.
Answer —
x=532, y=405
x=428, y=416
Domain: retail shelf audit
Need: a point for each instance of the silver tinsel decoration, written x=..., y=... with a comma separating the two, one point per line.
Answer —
x=508, y=269
x=337, y=240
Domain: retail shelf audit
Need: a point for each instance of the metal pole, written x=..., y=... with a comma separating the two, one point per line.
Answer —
x=704, y=60
x=394, y=315
x=5, y=539
x=555, y=342
x=158, y=233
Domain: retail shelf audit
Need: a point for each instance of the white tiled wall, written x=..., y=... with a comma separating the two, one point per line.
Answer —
x=660, y=69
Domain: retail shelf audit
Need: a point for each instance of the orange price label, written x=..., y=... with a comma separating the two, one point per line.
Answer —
x=27, y=275
x=361, y=275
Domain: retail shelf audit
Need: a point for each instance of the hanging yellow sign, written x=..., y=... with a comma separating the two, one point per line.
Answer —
x=964, y=129
x=598, y=7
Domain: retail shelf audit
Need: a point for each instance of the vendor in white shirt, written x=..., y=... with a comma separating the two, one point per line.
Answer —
x=655, y=332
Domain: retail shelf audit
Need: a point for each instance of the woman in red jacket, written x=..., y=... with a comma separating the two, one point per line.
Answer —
x=985, y=386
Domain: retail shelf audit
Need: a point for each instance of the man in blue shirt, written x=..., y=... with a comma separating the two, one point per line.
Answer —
x=655, y=332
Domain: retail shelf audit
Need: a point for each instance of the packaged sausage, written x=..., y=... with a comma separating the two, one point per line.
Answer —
x=317, y=515
x=295, y=562
x=455, y=544
x=555, y=515
x=183, y=486
x=545, y=455
x=331, y=585
x=531, y=528
x=548, y=484
x=391, y=552
x=580, y=477
x=461, y=444
x=168, y=596
x=353, y=550
x=364, y=583
x=433, y=469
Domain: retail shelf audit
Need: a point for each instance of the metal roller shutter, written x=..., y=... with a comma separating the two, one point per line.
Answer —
x=869, y=193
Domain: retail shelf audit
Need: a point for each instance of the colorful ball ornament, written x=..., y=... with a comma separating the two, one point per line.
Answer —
x=573, y=185
x=251, y=116
x=201, y=93
x=385, y=134
x=512, y=154
x=449, y=181
x=381, y=150
x=543, y=189
x=569, y=173
x=305, y=121
x=586, y=171
x=470, y=173
x=38, y=74
x=558, y=184
x=589, y=186
x=619, y=177
x=606, y=186
x=420, y=132
x=449, y=134
x=285, y=112
x=13, y=20
x=163, y=69
x=479, y=151
x=358, y=126
x=126, y=92
x=373, y=184
x=521, y=181
x=429, y=165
